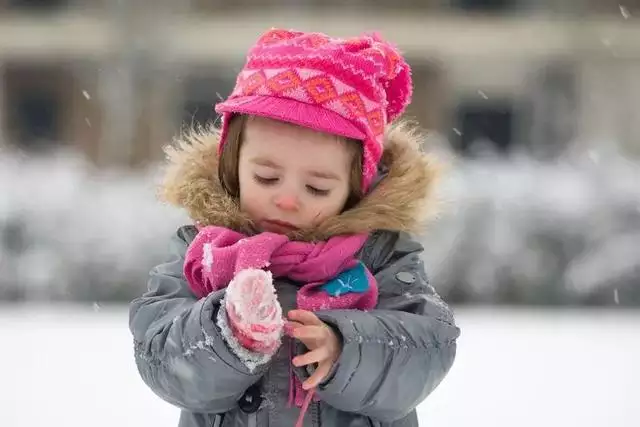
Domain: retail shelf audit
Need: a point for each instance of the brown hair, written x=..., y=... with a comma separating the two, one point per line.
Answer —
x=230, y=157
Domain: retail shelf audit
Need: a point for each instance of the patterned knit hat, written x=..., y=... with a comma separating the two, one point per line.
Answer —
x=349, y=87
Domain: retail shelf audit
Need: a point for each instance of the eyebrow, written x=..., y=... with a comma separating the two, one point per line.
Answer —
x=325, y=175
x=265, y=162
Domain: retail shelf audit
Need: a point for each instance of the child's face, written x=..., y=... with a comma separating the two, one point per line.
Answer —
x=290, y=176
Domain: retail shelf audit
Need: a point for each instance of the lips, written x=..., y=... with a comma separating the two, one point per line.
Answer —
x=276, y=226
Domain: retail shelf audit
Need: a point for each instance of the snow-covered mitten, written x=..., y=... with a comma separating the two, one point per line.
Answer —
x=253, y=311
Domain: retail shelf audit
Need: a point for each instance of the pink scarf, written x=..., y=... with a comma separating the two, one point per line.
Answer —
x=217, y=254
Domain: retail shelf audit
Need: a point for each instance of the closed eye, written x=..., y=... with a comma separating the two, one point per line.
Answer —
x=317, y=191
x=264, y=181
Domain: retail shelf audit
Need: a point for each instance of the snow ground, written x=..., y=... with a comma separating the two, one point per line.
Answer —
x=514, y=368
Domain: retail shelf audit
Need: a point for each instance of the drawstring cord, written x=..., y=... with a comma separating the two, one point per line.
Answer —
x=292, y=390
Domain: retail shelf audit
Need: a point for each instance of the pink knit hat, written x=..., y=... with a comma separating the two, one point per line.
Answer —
x=349, y=87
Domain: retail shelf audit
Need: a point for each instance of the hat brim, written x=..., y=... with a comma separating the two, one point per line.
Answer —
x=292, y=111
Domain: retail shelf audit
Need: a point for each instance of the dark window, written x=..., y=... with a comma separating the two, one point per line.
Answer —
x=486, y=5
x=36, y=114
x=198, y=113
x=200, y=96
x=34, y=105
x=36, y=4
x=482, y=127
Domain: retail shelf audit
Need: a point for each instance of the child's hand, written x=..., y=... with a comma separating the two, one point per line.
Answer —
x=253, y=310
x=323, y=344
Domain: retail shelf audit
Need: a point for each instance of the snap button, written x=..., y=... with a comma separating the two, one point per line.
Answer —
x=251, y=400
x=405, y=277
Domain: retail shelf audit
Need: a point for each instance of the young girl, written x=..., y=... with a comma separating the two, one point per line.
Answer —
x=298, y=298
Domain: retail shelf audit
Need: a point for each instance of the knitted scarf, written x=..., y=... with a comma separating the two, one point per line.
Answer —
x=331, y=276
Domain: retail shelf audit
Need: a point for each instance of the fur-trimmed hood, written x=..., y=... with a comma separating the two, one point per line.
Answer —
x=402, y=199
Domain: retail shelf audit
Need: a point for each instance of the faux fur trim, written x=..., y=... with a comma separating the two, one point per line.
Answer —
x=403, y=200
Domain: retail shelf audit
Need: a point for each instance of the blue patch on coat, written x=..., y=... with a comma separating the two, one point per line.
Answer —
x=353, y=280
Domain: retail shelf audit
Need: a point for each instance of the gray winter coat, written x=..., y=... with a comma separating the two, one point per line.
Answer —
x=392, y=356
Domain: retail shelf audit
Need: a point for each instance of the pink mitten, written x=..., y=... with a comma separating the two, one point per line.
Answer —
x=253, y=310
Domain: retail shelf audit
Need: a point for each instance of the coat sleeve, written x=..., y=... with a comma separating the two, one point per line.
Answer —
x=398, y=353
x=179, y=350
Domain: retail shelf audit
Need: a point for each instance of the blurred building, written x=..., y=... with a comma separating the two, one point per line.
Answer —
x=118, y=78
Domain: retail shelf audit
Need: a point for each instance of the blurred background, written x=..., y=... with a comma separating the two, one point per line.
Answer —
x=533, y=104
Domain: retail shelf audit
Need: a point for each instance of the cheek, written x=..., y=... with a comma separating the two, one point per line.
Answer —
x=340, y=198
x=327, y=208
x=254, y=199
x=247, y=191
x=250, y=196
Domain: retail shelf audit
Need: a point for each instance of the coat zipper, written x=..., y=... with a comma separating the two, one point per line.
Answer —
x=315, y=415
x=253, y=419
x=217, y=420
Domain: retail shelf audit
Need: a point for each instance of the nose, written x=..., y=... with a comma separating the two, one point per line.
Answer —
x=287, y=202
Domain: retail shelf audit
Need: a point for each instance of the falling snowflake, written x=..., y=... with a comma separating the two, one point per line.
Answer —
x=616, y=297
x=457, y=132
x=625, y=12
x=482, y=94
x=86, y=94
